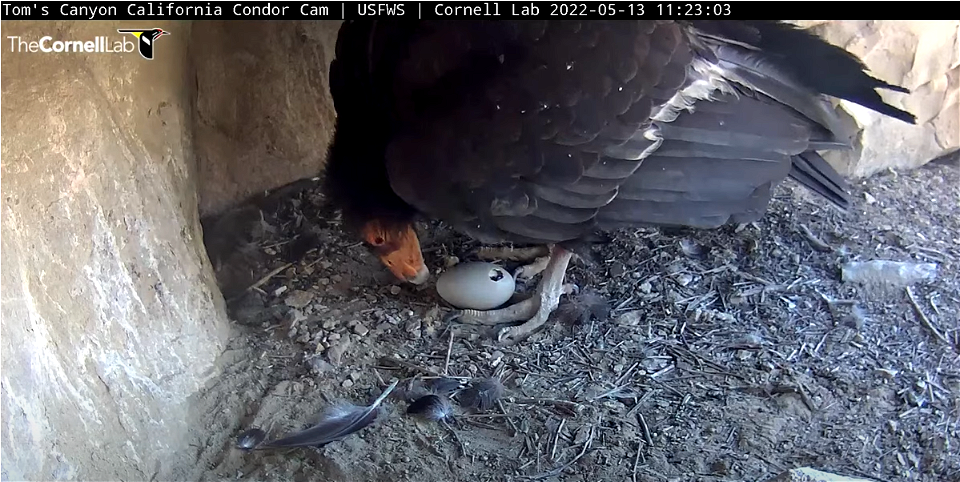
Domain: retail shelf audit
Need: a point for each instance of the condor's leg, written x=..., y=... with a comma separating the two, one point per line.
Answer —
x=534, y=310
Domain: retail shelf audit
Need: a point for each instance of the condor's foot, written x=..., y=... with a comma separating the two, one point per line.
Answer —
x=534, y=310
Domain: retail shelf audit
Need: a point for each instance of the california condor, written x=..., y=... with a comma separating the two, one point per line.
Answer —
x=546, y=132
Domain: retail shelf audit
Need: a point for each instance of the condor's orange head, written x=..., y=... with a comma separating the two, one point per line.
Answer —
x=398, y=248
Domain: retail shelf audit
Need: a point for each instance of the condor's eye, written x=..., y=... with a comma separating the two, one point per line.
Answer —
x=378, y=241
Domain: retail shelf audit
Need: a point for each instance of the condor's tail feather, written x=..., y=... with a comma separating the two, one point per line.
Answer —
x=783, y=61
x=814, y=173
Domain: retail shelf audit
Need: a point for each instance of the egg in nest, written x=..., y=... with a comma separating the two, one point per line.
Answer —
x=476, y=286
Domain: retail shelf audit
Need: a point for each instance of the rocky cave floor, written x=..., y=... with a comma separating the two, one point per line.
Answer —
x=732, y=354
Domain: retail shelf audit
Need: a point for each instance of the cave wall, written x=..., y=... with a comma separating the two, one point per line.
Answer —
x=264, y=114
x=111, y=319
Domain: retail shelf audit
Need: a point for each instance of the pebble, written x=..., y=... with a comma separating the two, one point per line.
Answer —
x=347, y=383
x=298, y=299
x=395, y=290
x=279, y=291
x=333, y=336
x=370, y=298
x=617, y=269
x=646, y=287
x=630, y=318
x=336, y=351
x=413, y=326
x=330, y=324
x=323, y=281
x=318, y=365
x=360, y=329
x=683, y=279
x=354, y=375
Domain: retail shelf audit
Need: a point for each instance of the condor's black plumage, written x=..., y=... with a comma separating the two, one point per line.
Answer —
x=542, y=132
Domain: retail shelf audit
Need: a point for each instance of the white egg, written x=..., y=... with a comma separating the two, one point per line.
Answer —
x=476, y=285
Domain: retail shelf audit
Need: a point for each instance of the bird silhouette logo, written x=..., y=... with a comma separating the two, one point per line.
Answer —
x=147, y=38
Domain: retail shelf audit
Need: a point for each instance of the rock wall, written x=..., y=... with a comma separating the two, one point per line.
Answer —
x=919, y=55
x=264, y=112
x=111, y=320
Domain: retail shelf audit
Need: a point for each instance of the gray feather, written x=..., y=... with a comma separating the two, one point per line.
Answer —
x=334, y=425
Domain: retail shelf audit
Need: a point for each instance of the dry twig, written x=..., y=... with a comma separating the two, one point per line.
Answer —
x=817, y=244
x=923, y=318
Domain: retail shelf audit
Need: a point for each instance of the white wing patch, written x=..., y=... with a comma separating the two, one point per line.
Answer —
x=709, y=80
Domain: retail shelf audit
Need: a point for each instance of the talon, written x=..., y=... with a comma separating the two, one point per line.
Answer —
x=533, y=311
x=452, y=316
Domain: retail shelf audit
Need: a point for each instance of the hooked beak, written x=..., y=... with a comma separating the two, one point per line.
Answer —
x=405, y=260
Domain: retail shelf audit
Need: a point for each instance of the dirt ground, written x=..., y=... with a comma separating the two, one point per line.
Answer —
x=732, y=354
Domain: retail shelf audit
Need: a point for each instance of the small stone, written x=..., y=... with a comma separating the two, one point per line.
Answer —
x=395, y=290
x=614, y=406
x=719, y=467
x=370, y=298
x=412, y=326
x=294, y=317
x=630, y=318
x=617, y=269
x=450, y=261
x=347, y=383
x=646, y=287
x=869, y=198
x=330, y=324
x=683, y=279
x=319, y=365
x=333, y=336
x=336, y=351
x=887, y=373
x=495, y=358
x=279, y=291
x=354, y=375
x=360, y=329
x=336, y=278
x=892, y=426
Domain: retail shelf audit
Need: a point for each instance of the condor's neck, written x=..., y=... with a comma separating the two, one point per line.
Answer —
x=357, y=177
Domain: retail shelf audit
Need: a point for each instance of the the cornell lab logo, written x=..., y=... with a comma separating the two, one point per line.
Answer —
x=147, y=38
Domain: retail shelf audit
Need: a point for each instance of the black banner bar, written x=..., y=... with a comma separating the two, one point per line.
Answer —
x=144, y=11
